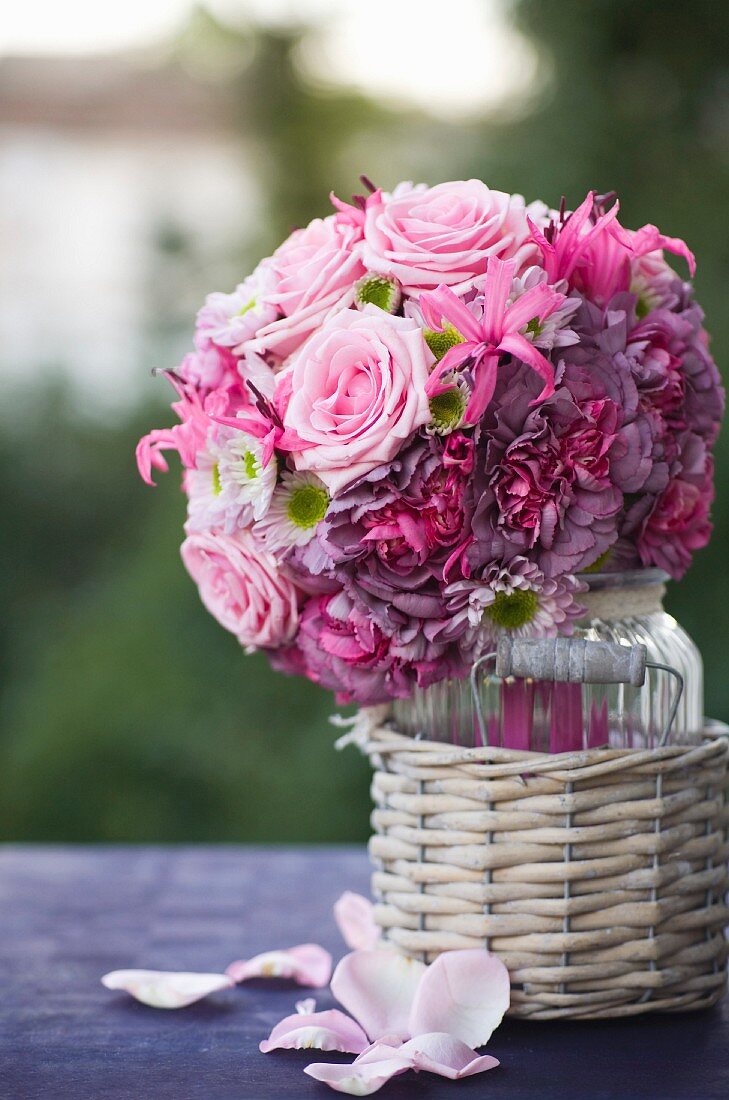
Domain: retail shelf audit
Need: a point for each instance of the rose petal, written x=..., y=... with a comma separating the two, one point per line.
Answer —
x=446, y=1056
x=330, y=1030
x=463, y=993
x=354, y=915
x=366, y=1074
x=307, y=964
x=166, y=988
x=377, y=987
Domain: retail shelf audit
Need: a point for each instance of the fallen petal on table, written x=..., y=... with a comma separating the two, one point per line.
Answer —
x=368, y=1073
x=166, y=988
x=448, y=1057
x=329, y=1030
x=308, y=964
x=462, y=993
x=377, y=988
x=355, y=919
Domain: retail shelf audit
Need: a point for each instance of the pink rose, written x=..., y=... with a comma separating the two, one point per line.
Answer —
x=314, y=272
x=243, y=588
x=426, y=236
x=358, y=393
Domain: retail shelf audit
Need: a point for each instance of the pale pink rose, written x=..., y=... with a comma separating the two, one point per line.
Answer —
x=242, y=586
x=314, y=272
x=426, y=236
x=357, y=393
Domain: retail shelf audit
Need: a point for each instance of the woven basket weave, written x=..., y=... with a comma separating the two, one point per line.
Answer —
x=598, y=877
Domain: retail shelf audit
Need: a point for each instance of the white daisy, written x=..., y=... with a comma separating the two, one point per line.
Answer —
x=554, y=331
x=297, y=506
x=515, y=599
x=448, y=408
x=230, y=488
x=230, y=320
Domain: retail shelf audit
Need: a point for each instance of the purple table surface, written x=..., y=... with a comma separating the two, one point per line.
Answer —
x=69, y=914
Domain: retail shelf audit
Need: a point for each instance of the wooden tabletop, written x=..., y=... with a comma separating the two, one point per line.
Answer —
x=69, y=914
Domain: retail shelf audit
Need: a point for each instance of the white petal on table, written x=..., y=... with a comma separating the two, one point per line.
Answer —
x=166, y=988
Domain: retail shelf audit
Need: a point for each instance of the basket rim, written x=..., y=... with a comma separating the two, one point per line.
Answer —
x=383, y=740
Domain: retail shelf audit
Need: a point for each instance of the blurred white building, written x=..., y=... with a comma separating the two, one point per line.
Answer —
x=106, y=162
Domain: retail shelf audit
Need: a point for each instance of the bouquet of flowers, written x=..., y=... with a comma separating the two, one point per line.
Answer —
x=413, y=426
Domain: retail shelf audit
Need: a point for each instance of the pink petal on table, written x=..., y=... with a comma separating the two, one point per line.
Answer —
x=355, y=919
x=377, y=987
x=464, y=994
x=307, y=964
x=366, y=1074
x=330, y=1030
x=166, y=988
x=446, y=1056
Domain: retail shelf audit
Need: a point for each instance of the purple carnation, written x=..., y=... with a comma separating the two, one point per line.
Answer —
x=546, y=487
x=407, y=515
x=346, y=650
x=388, y=538
x=667, y=528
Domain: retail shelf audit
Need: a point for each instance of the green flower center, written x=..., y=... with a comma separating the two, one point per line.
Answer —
x=250, y=465
x=249, y=305
x=441, y=342
x=217, y=484
x=378, y=291
x=514, y=609
x=307, y=505
x=447, y=409
x=534, y=328
x=642, y=307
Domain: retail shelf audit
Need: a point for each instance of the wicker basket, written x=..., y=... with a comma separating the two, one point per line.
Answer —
x=598, y=877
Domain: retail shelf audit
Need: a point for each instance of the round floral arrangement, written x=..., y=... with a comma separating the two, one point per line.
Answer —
x=414, y=425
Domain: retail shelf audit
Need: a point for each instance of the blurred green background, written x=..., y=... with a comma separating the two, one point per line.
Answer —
x=126, y=713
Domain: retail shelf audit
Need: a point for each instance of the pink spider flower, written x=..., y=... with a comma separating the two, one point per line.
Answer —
x=264, y=420
x=591, y=250
x=497, y=333
x=187, y=438
x=353, y=213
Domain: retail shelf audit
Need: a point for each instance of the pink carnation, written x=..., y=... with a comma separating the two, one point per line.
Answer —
x=428, y=236
x=313, y=272
x=242, y=586
x=347, y=651
x=358, y=394
x=678, y=524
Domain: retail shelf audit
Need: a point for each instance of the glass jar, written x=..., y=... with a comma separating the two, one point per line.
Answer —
x=557, y=717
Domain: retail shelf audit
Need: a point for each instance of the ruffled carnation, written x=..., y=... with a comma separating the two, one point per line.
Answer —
x=407, y=515
x=546, y=486
x=345, y=650
x=667, y=529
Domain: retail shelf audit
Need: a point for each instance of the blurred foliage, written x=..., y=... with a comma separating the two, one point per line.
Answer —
x=126, y=713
